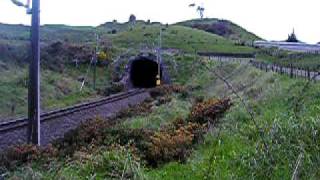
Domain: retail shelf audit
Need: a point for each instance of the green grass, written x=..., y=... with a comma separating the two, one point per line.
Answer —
x=62, y=89
x=286, y=112
x=207, y=162
x=164, y=114
x=57, y=89
x=298, y=60
x=233, y=149
x=176, y=37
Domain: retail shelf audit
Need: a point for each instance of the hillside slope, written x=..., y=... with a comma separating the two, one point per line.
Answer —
x=223, y=28
x=175, y=37
x=285, y=118
x=61, y=45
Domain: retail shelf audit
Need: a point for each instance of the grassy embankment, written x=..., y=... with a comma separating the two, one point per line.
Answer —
x=285, y=58
x=285, y=109
x=60, y=78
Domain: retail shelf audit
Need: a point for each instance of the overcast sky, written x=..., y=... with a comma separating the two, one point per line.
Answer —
x=269, y=19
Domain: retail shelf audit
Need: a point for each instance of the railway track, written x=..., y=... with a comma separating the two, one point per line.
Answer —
x=22, y=123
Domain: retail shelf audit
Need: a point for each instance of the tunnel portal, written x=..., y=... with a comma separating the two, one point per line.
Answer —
x=143, y=73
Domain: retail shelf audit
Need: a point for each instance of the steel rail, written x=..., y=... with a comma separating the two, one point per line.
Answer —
x=23, y=122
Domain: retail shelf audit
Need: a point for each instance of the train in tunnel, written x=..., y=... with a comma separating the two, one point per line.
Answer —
x=143, y=71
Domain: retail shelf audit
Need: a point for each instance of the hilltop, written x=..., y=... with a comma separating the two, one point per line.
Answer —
x=224, y=28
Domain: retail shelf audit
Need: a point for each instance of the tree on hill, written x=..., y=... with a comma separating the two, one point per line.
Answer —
x=200, y=9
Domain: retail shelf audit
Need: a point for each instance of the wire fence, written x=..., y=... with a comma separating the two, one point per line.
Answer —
x=290, y=70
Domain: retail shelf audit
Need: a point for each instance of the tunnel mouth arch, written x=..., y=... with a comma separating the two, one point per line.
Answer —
x=143, y=73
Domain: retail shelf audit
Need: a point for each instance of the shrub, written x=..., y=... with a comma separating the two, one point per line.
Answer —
x=81, y=137
x=209, y=111
x=220, y=28
x=172, y=142
x=163, y=100
x=18, y=155
x=169, y=145
x=96, y=133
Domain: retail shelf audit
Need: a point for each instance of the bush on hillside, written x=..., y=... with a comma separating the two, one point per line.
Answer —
x=173, y=145
x=18, y=155
x=209, y=111
x=173, y=142
x=220, y=28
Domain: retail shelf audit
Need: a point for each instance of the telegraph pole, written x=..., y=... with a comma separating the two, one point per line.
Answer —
x=95, y=61
x=158, y=83
x=34, y=77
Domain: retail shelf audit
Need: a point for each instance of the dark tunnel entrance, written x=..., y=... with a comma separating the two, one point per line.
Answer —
x=143, y=73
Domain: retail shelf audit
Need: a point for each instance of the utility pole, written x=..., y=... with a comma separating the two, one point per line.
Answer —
x=159, y=59
x=95, y=61
x=34, y=78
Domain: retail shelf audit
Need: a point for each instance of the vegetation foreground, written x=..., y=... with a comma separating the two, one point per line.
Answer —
x=218, y=120
x=280, y=140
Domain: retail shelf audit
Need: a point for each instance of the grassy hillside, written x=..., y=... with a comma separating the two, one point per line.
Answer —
x=285, y=58
x=61, y=45
x=175, y=37
x=58, y=89
x=185, y=131
x=223, y=28
x=285, y=110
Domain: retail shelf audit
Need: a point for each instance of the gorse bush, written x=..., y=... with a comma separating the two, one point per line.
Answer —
x=172, y=142
x=155, y=147
x=101, y=133
x=171, y=145
x=209, y=111
x=19, y=155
